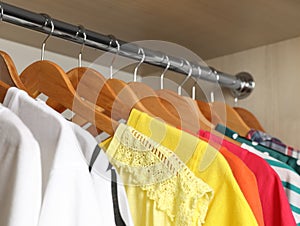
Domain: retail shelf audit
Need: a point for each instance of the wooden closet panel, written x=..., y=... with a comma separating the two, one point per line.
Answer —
x=275, y=99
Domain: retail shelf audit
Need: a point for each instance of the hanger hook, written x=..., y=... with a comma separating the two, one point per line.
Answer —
x=217, y=77
x=113, y=39
x=81, y=29
x=47, y=19
x=163, y=74
x=187, y=78
x=2, y=12
x=194, y=85
x=139, y=64
x=236, y=100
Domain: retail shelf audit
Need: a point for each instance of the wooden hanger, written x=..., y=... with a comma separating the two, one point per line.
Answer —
x=249, y=118
x=94, y=87
x=48, y=78
x=214, y=118
x=88, y=83
x=188, y=107
x=204, y=107
x=181, y=108
x=210, y=112
x=233, y=119
x=74, y=75
x=114, y=95
x=116, y=89
x=148, y=98
x=128, y=96
x=184, y=107
x=9, y=73
x=132, y=95
x=3, y=90
x=124, y=94
x=51, y=80
x=218, y=109
x=210, y=115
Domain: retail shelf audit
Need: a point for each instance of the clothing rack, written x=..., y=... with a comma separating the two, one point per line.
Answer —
x=241, y=85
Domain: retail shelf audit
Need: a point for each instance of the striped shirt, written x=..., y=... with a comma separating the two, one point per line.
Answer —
x=292, y=162
x=272, y=142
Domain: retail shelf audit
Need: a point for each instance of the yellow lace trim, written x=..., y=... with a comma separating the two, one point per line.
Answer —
x=158, y=171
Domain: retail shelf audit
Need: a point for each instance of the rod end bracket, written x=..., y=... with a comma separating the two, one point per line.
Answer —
x=247, y=85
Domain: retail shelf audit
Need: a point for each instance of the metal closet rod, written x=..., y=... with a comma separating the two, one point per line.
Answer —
x=240, y=85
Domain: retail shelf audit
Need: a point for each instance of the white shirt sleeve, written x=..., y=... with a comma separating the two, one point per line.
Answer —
x=20, y=172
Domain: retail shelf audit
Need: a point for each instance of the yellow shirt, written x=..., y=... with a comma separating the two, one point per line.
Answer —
x=229, y=206
x=161, y=189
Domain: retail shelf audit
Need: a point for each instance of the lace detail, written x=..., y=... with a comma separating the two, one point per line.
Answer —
x=165, y=178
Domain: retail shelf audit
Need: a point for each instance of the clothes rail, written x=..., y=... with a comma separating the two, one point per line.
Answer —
x=241, y=85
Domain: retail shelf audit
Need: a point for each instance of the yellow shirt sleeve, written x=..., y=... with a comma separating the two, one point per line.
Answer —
x=161, y=189
x=229, y=206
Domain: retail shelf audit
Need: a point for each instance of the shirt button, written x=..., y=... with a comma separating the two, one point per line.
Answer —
x=298, y=162
x=266, y=153
x=254, y=143
x=235, y=136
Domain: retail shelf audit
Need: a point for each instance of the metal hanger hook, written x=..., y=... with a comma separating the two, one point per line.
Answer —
x=47, y=19
x=215, y=73
x=194, y=85
x=236, y=101
x=217, y=77
x=163, y=74
x=113, y=39
x=2, y=12
x=187, y=78
x=200, y=72
x=139, y=64
x=81, y=29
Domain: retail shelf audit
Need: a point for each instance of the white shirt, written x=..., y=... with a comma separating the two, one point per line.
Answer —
x=68, y=194
x=20, y=172
x=102, y=180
